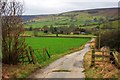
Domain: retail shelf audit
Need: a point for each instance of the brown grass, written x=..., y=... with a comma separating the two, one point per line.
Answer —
x=18, y=71
x=102, y=69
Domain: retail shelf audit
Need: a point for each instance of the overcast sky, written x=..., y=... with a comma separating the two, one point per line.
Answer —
x=38, y=7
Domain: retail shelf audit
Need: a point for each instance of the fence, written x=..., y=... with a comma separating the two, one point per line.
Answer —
x=41, y=54
x=34, y=56
x=113, y=56
x=116, y=60
x=28, y=56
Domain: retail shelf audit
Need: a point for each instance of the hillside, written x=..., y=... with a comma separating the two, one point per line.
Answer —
x=28, y=17
x=78, y=18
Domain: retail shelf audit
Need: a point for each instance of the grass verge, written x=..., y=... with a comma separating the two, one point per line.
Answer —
x=18, y=71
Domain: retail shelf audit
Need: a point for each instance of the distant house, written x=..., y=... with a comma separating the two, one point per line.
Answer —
x=41, y=29
x=38, y=29
x=83, y=33
x=75, y=32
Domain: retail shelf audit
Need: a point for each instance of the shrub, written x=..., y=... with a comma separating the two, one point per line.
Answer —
x=109, y=38
x=13, y=46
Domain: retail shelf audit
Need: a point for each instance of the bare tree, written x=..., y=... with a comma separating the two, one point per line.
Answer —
x=0, y=31
x=12, y=44
x=0, y=42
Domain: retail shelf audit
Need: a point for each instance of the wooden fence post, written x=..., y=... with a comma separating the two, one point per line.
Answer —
x=28, y=56
x=44, y=55
x=22, y=59
x=117, y=63
x=32, y=56
x=93, y=58
x=103, y=56
x=45, y=51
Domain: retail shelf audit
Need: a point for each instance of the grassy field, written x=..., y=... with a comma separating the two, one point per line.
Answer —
x=55, y=46
x=65, y=19
x=77, y=18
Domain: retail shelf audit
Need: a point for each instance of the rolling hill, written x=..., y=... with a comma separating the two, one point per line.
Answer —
x=80, y=18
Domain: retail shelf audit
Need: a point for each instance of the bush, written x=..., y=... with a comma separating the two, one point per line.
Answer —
x=109, y=38
x=13, y=46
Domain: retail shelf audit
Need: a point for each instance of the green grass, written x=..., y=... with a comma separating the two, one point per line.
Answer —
x=79, y=19
x=29, y=33
x=56, y=46
x=40, y=23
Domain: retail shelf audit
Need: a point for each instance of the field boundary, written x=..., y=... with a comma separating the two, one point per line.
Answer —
x=59, y=36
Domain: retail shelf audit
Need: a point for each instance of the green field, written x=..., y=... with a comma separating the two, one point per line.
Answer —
x=77, y=18
x=65, y=19
x=62, y=21
x=55, y=46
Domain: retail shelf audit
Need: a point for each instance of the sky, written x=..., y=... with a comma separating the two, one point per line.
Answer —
x=39, y=7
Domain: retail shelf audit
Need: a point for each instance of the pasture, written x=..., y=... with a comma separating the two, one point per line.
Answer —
x=55, y=46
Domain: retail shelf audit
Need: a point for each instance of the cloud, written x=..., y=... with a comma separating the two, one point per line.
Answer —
x=58, y=6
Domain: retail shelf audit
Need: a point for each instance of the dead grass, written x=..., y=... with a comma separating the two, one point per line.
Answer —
x=102, y=69
x=18, y=71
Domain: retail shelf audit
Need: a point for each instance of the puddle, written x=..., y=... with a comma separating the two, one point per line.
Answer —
x=61, y=70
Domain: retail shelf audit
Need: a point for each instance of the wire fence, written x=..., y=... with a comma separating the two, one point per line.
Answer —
x=34, y=56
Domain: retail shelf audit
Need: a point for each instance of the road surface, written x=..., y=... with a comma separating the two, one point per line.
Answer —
x=69, y=66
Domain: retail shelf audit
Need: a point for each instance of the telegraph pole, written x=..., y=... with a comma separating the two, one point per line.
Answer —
x=100, y=22
x=118, y=26
x=99, y=36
